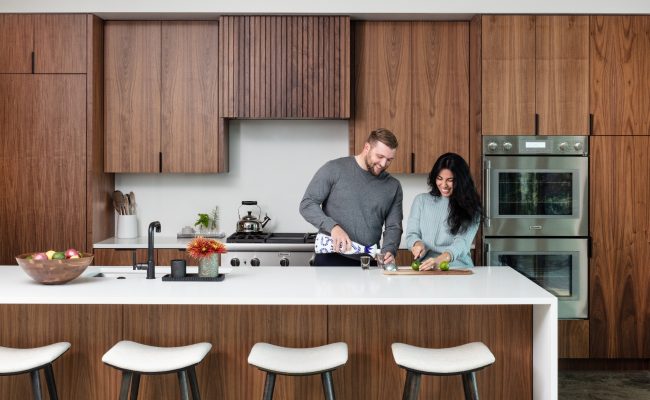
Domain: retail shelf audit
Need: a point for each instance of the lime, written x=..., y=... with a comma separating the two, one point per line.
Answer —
x=59, y=255
x=415, y=265
x=444, y=266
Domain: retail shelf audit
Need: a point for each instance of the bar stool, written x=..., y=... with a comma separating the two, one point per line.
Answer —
x=135, y=359
x=462, y=360
x=298, y=362
x=21, y=361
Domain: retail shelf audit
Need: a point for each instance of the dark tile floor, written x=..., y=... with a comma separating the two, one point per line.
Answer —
x=604, y=385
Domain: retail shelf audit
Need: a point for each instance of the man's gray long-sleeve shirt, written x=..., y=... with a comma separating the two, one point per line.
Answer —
x=357, y=201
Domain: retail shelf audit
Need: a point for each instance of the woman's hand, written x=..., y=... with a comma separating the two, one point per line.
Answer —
x=418, y=249
x=428, y=264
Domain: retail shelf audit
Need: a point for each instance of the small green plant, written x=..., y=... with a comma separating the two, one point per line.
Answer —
x=204, y=220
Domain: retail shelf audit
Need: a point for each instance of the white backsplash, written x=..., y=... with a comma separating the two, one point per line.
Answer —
x=270, y=161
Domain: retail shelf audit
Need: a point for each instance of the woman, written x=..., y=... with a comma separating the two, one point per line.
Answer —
x=443, y=222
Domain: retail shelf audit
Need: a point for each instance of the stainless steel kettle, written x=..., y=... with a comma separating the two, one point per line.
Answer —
x=249, y=223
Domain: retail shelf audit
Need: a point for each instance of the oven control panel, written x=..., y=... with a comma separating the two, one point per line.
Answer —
x=535, y=145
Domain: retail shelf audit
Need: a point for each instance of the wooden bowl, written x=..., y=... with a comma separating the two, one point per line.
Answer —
x=54, y=272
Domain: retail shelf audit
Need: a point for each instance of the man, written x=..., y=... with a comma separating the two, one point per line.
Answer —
x=352, y=198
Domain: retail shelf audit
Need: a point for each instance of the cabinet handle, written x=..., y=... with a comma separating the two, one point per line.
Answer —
x=591, y=124
x=33, y=62
x=536, y=124
x=160, y=162
x=412, y=163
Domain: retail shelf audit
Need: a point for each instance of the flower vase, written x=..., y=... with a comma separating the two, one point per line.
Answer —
x=209, y=266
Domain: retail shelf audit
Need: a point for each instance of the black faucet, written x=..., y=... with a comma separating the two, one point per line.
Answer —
x=151, y=266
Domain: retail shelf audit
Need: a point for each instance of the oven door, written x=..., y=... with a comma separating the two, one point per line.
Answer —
x=557, y=265
x=536, y=196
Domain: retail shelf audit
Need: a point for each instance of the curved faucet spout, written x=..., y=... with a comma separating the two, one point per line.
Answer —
x=151, y=266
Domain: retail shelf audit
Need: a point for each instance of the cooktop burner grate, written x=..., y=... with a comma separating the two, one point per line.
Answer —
x=240, y=237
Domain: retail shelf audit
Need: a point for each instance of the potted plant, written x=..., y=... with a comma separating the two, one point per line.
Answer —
x=206, y=251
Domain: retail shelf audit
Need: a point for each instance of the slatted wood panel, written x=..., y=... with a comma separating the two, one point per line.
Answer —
x=79, y=373
x=508, y=74
x=232, y=330
x=43, y=163
x=619, y=302
x=190, y=119
x=60, y=43
x=562, y=77
x=382, y=86
x=573, y=338
x=440, y=52
x=132, y=96
x=284, y=67
x=17, y=44
x=371, y=372
x=620, y=75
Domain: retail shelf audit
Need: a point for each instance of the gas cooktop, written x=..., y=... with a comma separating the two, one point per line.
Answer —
x=242, y=237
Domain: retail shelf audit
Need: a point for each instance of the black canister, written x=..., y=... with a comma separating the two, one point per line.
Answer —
x=179, y=269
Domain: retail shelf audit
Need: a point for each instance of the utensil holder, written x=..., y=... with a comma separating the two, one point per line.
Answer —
x=127, y=227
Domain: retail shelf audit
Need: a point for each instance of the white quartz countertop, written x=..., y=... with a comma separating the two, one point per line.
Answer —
x=170, y=242
x=277, y=285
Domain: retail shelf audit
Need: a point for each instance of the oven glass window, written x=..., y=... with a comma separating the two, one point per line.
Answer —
x=536, y=193
x=552, y=272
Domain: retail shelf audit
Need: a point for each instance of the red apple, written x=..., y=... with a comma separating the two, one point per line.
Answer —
x=70, y=253
x=39, y=256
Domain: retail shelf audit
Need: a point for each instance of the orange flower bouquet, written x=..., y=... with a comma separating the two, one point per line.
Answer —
x=201, y=247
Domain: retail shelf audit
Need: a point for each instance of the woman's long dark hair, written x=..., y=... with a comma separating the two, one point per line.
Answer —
x=464, y=202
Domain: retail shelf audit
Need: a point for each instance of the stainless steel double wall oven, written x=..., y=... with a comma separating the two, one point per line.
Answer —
x=536, y=213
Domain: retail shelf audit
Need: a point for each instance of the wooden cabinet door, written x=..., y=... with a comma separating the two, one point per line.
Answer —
x=60, y=43
x=620, y=75
x=16, y=43
x=190, y=119
x=382, y=92
x=619, y=300
x=132, y=96
x=508, y=74
x=119, y=257
x=43, y=125
x=562, y=77
x=440, y=90
x=165, y=257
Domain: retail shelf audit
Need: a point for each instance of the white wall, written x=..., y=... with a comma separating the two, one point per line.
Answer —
x=270, y=161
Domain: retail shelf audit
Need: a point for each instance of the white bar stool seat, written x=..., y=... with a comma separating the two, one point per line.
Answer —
x=15, y=361
x=298, y=361
x=462, y=360
x=134, y=359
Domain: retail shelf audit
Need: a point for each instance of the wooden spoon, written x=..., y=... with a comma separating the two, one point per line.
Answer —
x=132, y=201
x=118, y=201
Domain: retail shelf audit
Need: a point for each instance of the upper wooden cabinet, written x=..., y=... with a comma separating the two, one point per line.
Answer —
x=413, y=78
x=620, y=75
x=284, y=67
x=619, y=300
x=535, y=65
x=43, y=43
x=161, y=97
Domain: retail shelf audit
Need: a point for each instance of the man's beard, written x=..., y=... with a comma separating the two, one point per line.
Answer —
x=371, y=167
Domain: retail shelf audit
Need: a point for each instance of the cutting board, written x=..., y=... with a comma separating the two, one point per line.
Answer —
x=410, y=271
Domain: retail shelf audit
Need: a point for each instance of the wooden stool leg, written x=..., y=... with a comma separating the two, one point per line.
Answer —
x=126, y=382
x=182, y=381
x=135, y=386
x=51, y=384
x=269, y=385
x=194, y=384
x=411, y=386
x=328, y=385
x=469, y=385
x=36, y=384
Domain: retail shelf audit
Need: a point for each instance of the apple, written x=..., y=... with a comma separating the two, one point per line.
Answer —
x=74, y=257
x=39, y=256
x=49, y=254
x=71, y=253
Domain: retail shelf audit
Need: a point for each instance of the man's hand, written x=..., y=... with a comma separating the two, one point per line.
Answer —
x=340, y=240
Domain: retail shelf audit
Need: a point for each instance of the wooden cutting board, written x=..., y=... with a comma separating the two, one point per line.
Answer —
x=410, y=271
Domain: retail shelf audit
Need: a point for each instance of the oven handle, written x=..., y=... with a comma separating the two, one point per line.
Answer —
x=486, y=190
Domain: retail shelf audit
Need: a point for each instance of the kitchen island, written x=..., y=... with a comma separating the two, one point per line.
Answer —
x=299, y=307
